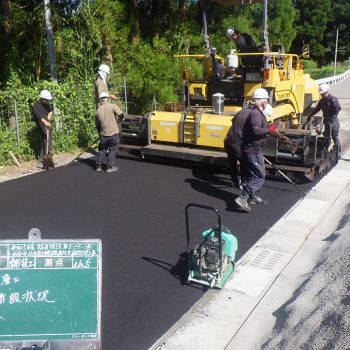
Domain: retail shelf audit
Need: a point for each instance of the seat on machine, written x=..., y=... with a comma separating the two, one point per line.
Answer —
x=250, y=47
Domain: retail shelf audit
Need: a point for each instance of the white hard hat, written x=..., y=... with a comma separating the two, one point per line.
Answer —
x=45, y=94
x=103, y=95
x=104, y=68
x=260, y=93
x=324, y=88
x=268, y=111
x=229, y=32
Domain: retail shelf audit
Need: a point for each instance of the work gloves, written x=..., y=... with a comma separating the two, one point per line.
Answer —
x=272, y=128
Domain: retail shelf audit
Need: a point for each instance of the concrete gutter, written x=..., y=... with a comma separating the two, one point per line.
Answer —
x=216, y=319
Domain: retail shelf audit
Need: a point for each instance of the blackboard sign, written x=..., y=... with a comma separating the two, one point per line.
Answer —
x=50, y=290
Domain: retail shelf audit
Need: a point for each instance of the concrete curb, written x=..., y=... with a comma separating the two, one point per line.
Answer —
x=214, y=321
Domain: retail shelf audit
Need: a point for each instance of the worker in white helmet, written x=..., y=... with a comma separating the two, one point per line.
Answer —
x=101, y=83
x=43, y=113
x=254, y=134
x=330, y=107
x=107, y=117
x=234, y=34
x=232, y=145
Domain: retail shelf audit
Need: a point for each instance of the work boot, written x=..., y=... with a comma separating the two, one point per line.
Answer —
x=242, y=202
x=112, y=169
x=98, y=168
x=39, y=163
x=256, y=200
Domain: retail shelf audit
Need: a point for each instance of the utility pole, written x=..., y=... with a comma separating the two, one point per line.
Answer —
x=50, y=41
x=204, y=7
x=265, y=27
x=336, y=53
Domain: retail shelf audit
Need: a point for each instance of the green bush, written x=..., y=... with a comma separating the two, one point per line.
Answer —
x=311, y=68
x=74, y=125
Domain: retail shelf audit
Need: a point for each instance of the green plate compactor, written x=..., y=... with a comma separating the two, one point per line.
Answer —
x=211, y=262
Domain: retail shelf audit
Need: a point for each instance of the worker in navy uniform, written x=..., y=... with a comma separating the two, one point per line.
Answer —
x=330, y=107
x=232, y=143
x=43, y=114
x=234, y=34
x=107, y=117
x=255, y=131
x=101, y=83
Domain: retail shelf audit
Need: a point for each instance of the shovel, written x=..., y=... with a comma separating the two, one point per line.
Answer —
x=82, y=152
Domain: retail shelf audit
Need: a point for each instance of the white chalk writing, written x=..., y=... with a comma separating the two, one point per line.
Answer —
x=29, y=296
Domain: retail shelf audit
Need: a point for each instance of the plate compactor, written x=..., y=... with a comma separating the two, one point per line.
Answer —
x=211, y=262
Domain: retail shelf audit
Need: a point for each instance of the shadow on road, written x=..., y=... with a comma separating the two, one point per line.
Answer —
x=179, y=271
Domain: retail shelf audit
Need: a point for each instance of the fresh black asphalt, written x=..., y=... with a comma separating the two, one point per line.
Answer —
x=138, y=213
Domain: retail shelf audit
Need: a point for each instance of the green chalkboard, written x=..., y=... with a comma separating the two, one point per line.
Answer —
x=50, y=290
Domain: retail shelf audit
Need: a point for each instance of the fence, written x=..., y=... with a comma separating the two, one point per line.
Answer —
x=334, y=79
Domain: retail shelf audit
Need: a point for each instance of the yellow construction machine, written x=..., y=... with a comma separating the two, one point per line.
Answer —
x=196, y=129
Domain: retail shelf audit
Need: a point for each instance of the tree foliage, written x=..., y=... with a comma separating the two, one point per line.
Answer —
x=339, y=19
x=138, y=40
x=311, y=25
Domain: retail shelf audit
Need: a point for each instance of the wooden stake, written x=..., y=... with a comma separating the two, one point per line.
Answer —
x=14, y=159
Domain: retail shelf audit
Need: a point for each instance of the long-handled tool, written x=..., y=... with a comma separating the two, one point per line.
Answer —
x=294, y=145
x=286, y=140
x=134, y=125
x=82, y=152
x=47, y=160
x=286, y=177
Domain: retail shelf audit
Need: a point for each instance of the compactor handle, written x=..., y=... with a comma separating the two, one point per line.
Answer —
x=188, y=229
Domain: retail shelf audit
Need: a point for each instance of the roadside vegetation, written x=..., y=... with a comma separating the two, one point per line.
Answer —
x=138, y=40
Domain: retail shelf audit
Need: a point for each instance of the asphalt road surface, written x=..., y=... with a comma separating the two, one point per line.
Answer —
x=138, y=213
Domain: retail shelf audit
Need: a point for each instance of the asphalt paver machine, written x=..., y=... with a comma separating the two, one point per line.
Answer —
x=211, y=261
x=196, y=130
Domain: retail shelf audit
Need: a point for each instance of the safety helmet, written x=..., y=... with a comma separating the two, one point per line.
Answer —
x=229, y=32
x=260, y=94
x=45, y=94
x=268, y=111
x=324, y=88
x=103, y=95
x=104, y=68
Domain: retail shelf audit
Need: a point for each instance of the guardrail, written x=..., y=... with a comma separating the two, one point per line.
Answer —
x=334, y=79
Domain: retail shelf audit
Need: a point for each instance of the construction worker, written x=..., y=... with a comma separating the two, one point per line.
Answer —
x=255, y=131
x=101, y=83
x=43, y=114
x=221, y=69
x=107, y=117
x=330, y=107
x=232, y=144
x=234, y=34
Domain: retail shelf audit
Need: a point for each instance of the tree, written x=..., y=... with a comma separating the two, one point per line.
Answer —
x=281, y=22
x=338, y=19
x=6, y=11
x=134, y=20
x=311, y=26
